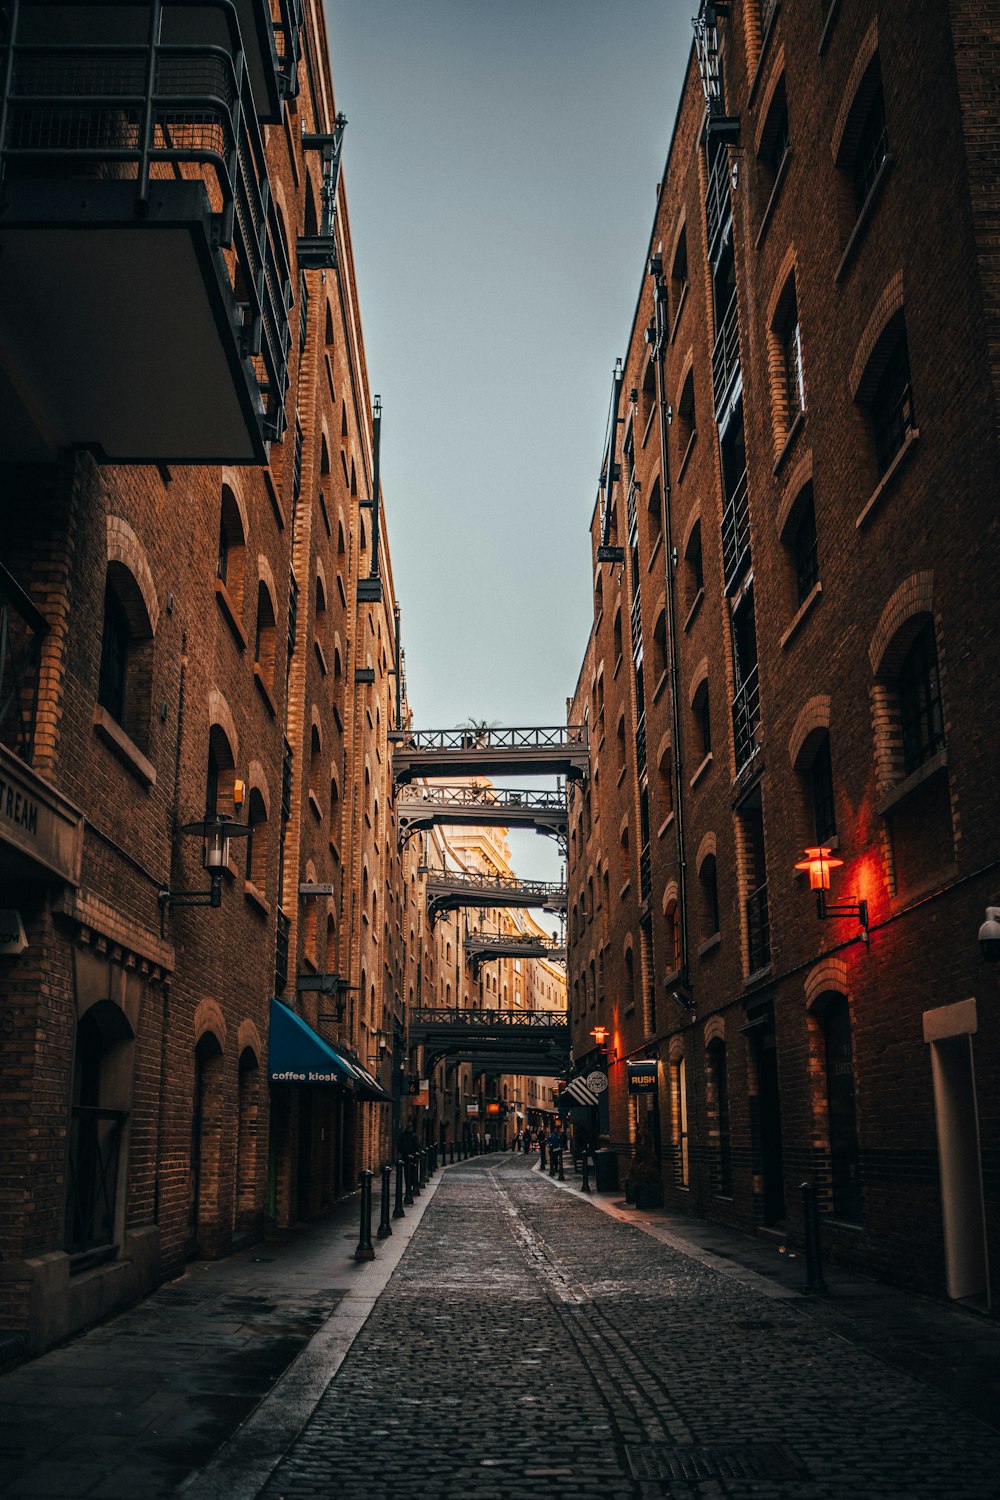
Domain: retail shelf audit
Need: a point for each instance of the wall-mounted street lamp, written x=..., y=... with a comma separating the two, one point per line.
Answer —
x=600, y=1035
x=215, y=833
x=819, y=861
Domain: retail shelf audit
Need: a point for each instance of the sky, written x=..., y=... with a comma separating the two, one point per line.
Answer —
x=500, y=164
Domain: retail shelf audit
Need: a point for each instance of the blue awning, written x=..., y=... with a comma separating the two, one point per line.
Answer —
x=295, y=1054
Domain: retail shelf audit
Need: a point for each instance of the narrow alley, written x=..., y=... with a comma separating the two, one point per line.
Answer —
x=525, y=1341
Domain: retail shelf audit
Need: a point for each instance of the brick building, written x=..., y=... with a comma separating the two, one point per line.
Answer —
x=794, y=550
x=198, y=627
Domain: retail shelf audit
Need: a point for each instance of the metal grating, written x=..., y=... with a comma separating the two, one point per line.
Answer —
x=769, y=1461
x=190, y=1294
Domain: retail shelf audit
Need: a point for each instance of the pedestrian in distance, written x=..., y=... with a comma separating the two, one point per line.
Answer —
x=541, y=1146
x=526, y=1142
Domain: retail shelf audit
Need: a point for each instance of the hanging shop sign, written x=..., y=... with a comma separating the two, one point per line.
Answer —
x=492, y=1108
x=472, y=1109
x=597, y=1081
x=12, y=936
x=423, y=1095
x=643, y=1077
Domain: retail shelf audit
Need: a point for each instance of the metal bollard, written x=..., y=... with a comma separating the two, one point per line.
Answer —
x=552, y=1163
x=422, y=1166
x=366, y=1250
x=814, y=1257
x=562, y=1174
x=451, y=1153
x=399, y=1212
x=415, y=1173
x=434, y=1158
x=585, y=1184
x=408, y=1179
x=384, y=1227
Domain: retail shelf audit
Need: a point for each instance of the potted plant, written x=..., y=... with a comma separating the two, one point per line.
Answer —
x=643, y=1184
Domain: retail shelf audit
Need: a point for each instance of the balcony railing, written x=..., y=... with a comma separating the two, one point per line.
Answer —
x=640, y=746
x=286, y=781
x=746, y=720
x=286, y=19
x=21, y=631
x=157, y=114
x=758, y=930
x=726, y=357
x=645, y=873
x=736, y=533
x=636, y=622
x=718, y=203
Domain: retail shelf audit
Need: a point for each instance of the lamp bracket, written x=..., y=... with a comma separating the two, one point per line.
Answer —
x=857, y=909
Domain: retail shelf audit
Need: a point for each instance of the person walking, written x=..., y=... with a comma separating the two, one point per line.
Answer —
x=541, y=1146
x=526, y=1140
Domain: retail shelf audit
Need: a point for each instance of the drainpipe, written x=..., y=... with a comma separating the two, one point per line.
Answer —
x=660, y=335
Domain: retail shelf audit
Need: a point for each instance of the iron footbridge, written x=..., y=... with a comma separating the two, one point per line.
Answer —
x=481, y=807
x=483, y=946
x=558, y=750
x=534, y=1042
x=447, y=891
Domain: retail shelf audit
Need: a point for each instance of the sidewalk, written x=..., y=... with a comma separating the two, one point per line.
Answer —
x=942, y=1344
x=143, y=1402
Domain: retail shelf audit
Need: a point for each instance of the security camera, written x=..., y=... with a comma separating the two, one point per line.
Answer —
x=989, y=935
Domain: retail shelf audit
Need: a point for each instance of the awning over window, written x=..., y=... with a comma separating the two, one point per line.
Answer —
x=295, y=1054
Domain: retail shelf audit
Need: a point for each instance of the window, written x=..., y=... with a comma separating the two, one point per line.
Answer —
x=773, y=150
x=660, y=647
x=750, y=829
x=872, y=145
x=114, y=657
x=232, y=548
x=919, y=687
x=620, y=741
x=703, y=720
x=124, y=681
x=265, y=638
x=708, y=876
x=679, y=273
x=679, y=1121
x=892, y=403
x=694, y=568
x=788, y=393
x=654, y=515
x=618, y=635
x=103, y=1043
x=821, y=792
x=686, y=414
x=803, y=547
x=665, y=766
x=256, y=867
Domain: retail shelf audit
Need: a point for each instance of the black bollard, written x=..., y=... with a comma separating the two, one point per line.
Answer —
x=434, y=1160
x=422, y=1166
x=585, y=1184
x=562, y=1174
x=451, y=1153
x=552, y=1163
x=384, y=1227
x=415, y=1173
x=399, y=1212
x=366, y=1250
x=814, y=1258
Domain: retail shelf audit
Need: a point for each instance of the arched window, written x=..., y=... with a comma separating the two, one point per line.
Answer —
x=618, y=635
x=220, y=775
x=232, y=550
x=620, y=742
x=599, y=596
x=686, y=422
x=702, y=717
x=679, y=1121
x=266, y=637
x=694, y=574
x=660, y=646
x=919, y=688
x=709, y=881
x=256, y=866
x=679, y=274
x=97, y=1123
x=654, y=515
x=125, y=680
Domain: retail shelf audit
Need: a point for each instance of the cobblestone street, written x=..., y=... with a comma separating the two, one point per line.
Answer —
x=531, y=1345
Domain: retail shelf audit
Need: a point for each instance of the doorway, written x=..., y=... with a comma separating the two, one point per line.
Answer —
x=772, y=1164
x=959, y=1157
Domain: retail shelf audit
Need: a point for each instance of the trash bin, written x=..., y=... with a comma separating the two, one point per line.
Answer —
x=606, y=1168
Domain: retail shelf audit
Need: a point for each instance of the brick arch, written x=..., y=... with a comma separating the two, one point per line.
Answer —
x=321, y=575
x=706, y=850
x=862, y=61
x=679, y=229
x=715, y=1030
x=675, y=1051
x=689, y=525
x=830, y=974
x=124, y=547
x=789, y=266
x=623, y=827
x=888, y=645
x=800, y=476
x=698, y=676
x=257, y=782
x=863, y=374
x=266, y=577
x=660, y=607
x=232, y=482
x=813, y=719
x=774, y=76
x=686, y=369
x=662, y=748
x=248, y=1038
x=671, y=896
x=208, y=1018
x=220, y=713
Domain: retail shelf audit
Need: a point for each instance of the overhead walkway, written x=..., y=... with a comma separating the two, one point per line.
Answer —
x=560, y=750
x=533, y=1042
x=447, y=891
x=482, y=807
x=483, y=946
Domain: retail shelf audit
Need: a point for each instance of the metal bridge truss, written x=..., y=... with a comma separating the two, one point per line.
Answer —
x=447, y=891
x=482, y=807
x=502, y=1041
x=559, y=750
x=482, y=947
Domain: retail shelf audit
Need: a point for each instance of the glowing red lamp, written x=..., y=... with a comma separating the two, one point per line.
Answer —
x=819, y=861
x=600, y=1035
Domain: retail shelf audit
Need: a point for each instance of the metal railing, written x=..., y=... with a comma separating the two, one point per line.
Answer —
x=473, y=797
x=735, y=532
x=758, y=930
x=22, y=629
x=557, y=737
x=521, y=1020
x=481, y=882
x=640, y=745
x=645, y=873
x=746, y=719
x=131, y=112
x=286, y=780
x=718, y=203
x=726, y=356
x=281, y=950
x=286, y=22
x=483, y=941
